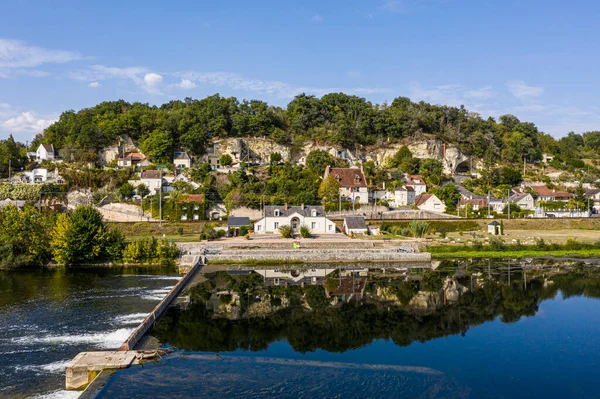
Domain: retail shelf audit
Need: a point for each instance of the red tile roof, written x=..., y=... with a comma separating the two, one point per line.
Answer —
x=415, y=180
x=544, y=191
x=348, y=177
x=197, y=198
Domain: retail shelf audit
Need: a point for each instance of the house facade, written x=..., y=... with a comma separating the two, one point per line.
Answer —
x=429, y=202
x=152, y=179
x=524, y=201
x=355, y=225
x=181, y=159
x=546, y=194
x=294, y=216
x=353, y=185
x=417, y=183
x=45, y=152
x=130, y=160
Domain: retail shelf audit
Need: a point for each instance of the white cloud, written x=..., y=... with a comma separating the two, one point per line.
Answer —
x=94, y=85
x=26, y=122
x=269, y=87
x=521, y=90
x=141, y=76
x=18, y=54
x=317, y=18
x=482, y=93
x=186, y=84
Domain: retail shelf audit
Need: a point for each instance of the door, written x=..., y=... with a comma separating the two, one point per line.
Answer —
x=295, y=225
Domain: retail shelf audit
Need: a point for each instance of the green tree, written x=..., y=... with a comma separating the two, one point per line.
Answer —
x=329, y=189
x=432, y=171
x=81, y=236
x=142, y=190
x=225, y=160
x=158, y=146
x=275, y=158
x=127, y=190
x=318, y=160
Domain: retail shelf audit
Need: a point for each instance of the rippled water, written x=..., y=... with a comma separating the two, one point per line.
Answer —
x=47, y=317
x=531, y=331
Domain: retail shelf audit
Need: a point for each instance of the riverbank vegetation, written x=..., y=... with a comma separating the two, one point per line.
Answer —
x=497, y=248
x=34, y=238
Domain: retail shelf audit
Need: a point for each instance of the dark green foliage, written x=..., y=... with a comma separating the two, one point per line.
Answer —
x=315, y=297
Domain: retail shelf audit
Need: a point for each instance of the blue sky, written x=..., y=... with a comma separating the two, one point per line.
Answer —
x=535, y=59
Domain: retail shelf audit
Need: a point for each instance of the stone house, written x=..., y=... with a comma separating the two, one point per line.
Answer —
x=417, y=183
x=152, y=179
x=131, y=160
x=355, y=225
x=191, y=207
x=546, y=194
x=353, y=185
x=181, y=159
x=524, y=201
x=404, y=196
x=430, y=202
x=294, y=216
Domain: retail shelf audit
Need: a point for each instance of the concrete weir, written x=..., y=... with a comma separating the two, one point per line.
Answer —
x=82, y=370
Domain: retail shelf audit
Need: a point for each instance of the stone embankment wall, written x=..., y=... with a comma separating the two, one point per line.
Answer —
x=411, y=214
x=123, y=213
x=321, y=255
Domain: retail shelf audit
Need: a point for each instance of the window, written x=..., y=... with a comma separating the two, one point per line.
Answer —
x=330, y=227
x=313, y=213
x=276, y=225
x=314, y=225
x=277, y=213
x=258, y=227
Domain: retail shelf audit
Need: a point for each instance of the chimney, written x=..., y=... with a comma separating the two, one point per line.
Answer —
x=302, y=206
x=285, y=206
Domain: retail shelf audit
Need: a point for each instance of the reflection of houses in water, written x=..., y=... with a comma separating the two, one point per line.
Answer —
x=274, y=277
x=349, y=287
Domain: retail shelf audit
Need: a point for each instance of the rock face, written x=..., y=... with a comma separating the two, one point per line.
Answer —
x=451, y=293
x=450, y=156
x=110, y=153
x=252, y=149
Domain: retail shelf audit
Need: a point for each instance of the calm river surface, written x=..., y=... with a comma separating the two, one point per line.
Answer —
x=524, y=330
x=47, y=317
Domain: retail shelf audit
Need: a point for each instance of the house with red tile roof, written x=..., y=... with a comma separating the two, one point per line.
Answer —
x=353, y=185
x=417, y=183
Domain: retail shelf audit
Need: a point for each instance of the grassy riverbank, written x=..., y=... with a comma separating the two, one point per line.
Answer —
x=498, y=249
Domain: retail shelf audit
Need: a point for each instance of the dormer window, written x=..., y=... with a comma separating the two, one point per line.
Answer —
x=277, y=212
x=313, y=213
x=357, y=178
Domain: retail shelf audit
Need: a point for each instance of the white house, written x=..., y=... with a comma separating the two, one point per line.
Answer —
x=429, y=202
x=355, y=225
x=404, y=196
x=36, y=176
x=417, y=183
x=494, y=228
x=353, y=185
x=45, y=152
x=524, y=201
x=294, y=216
x=152, y=179
x=594, y=197
x=181, y=159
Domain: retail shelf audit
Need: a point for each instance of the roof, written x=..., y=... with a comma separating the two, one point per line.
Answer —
x=48, y=147
x=494, y=223
x=544, y=191
x=151, y=174
x=181, y=155
x=421, y=199
x=518, y=197
x=290, y=210
x=475, y=201
x=415, y=180
x=591, y=192
x=133, y=156
x=198, y=198
x=355, y=222
x=348, y=177
x=236, y=221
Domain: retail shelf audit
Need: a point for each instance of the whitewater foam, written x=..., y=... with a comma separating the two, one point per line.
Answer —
x=151, y=277
x=52, y=368
x=59, y=394
x=105, y=340
x=134, y=318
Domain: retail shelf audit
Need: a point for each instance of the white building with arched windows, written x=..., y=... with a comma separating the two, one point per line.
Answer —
x=294, y=216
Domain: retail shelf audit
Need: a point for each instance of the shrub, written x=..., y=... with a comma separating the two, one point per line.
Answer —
x=305, y=231
x=243, y=230
x=225, y=299
x=418, y=228
x=221, y=233
x=180, y=231
x=209, y=232
x=286, y=231
x=497, y=244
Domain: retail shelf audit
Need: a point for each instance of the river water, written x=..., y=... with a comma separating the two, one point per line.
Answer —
x=465, y=330
x=48, y=316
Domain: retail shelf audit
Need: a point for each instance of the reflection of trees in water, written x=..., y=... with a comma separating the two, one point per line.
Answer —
x=355, y=324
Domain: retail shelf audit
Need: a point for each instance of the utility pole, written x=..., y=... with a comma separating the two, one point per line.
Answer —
x=508, y=199
x=352, y=203
x=160, y=204
x=340, y=202
x=524, y=163
x=488, y=204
